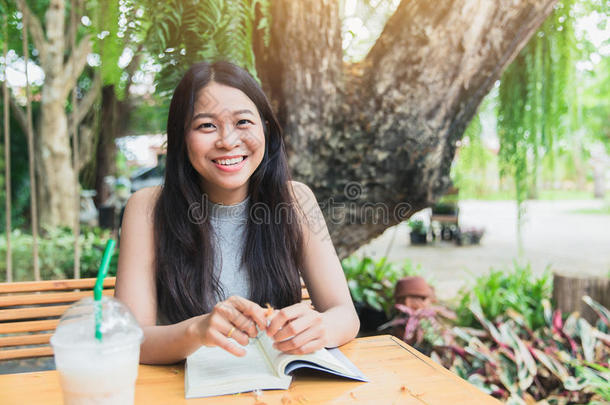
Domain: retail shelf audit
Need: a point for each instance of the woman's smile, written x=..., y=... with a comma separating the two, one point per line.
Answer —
x=230, y=164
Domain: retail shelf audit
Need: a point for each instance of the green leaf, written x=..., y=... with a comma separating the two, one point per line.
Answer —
x=553, y=365
x=602, y=312
x=587, y=339
x=526, y=365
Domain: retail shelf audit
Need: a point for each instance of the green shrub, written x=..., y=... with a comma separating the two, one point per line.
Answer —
x=499, y=291
x=56, y=254
x=561, y=362
x=372, y=282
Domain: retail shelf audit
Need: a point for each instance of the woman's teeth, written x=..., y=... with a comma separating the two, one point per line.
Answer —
x=229, y=162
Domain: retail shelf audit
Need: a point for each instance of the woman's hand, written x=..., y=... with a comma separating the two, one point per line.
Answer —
x=298, y=329
x=235, y=318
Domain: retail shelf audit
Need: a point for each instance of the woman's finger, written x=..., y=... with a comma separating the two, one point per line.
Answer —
x=302, y=343
x=249, y=309
x=284, y=316
x=297, y=326
x=222, y=325
x=236, y=318
x=220, y=340
x=309, y=347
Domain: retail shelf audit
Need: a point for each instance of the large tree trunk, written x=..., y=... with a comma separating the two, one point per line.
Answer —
x=376, y=139
x=55, y=173
x=53, y=164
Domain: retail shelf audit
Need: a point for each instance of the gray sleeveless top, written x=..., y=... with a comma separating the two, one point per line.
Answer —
x=229, y=238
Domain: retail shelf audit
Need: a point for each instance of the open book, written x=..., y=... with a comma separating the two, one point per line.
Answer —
x=213, y=371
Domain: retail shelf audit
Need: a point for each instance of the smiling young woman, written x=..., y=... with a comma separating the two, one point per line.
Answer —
x=205, y=280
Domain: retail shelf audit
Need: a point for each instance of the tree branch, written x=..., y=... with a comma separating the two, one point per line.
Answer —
x=75, y=8
x=36, y=30
x=83, y=107
x=87, y=145
x=75, y=65
x=456, y=48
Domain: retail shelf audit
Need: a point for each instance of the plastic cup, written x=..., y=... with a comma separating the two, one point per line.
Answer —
x=92, y=371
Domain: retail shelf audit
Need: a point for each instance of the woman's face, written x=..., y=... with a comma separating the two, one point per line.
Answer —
x=225, y=142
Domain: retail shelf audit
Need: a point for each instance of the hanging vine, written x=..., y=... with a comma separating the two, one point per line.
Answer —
x=533, y=104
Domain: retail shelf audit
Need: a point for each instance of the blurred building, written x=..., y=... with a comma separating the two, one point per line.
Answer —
x=146, y=154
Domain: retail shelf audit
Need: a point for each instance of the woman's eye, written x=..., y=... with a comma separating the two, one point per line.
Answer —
x=206, y=125
x=244, y=122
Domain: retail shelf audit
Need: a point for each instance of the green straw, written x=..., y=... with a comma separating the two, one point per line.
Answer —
x=99, y=286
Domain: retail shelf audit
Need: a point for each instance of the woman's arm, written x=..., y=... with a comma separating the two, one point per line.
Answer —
x=334, y=320
x=135, y=286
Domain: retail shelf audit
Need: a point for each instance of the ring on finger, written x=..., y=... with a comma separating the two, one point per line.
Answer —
x=231, y=332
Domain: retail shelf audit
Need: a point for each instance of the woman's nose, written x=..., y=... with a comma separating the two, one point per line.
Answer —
x=229, y=138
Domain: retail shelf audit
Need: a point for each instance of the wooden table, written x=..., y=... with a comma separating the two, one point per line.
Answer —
x=399, y=375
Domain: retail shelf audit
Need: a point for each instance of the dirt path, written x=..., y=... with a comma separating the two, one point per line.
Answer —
x=554, y=235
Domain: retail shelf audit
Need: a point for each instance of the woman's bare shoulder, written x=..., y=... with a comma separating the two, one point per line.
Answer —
x=308, y=205
x=145, y=198
x=302, y=193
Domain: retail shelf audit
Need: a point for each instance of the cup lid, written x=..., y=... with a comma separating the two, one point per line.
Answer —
x=76, y=326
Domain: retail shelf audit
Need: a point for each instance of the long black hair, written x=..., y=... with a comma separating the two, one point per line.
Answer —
x=186, y=282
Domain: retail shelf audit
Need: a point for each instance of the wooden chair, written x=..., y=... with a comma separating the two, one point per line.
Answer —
x=30, y=311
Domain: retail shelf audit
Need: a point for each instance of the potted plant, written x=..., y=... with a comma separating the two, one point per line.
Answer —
x=419, y=232
x=469, y=236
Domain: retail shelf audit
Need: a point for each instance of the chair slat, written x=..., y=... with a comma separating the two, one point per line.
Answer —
x=53, y=285
x=26, y=353
x=32, y=312
x=22, y=340
x=46, y=298
x=28, y=326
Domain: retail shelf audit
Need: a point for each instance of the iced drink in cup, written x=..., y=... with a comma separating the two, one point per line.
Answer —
x=94, y=371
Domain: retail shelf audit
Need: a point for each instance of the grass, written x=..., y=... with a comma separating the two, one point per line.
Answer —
x=565, y=195
x=547, y=195
x=605, y=210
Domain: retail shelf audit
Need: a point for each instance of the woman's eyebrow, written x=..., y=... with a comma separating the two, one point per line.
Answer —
x=204, y=115
x=211, y=115
x=244, y=111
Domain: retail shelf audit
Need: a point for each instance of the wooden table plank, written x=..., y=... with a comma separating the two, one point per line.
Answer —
x=398, y=373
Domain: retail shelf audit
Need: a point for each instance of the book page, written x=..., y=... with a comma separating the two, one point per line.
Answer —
x=320, y=357
x=215, y=363
x=214, y=371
